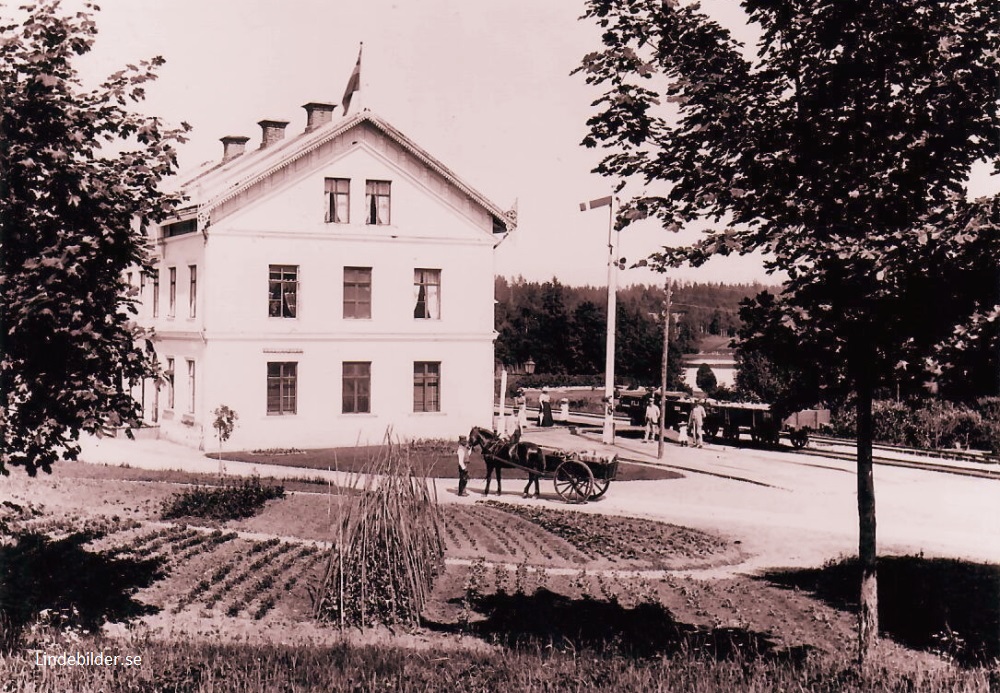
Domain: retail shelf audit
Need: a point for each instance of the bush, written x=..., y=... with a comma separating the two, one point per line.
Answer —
x=233, y=502
x=927, y=424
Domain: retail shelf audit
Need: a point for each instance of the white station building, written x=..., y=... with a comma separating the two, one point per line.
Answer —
x=328, y=286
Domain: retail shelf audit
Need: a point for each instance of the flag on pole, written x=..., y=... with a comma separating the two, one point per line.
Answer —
x=594, y=204
x=353, y=84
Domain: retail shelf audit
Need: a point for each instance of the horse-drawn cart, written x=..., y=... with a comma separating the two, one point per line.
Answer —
x=578, y=477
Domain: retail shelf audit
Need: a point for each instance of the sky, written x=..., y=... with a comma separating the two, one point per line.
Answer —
x=485, y=87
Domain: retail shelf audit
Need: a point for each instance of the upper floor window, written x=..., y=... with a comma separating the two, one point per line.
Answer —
x=282, y=292
x=282, y=387
x=377, y=201
x=357, y=292
x=193, y=291
x=156, y=293
x=172, y=305
x=169, y=373
x=338, y=200
x=427, y=293
x=357, y=387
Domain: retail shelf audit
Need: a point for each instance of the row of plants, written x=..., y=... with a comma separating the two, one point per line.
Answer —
x=480, y=529
x=282, y=561
x=226, y=579
x=616, y=538
x=928, y=424
x=237, y=501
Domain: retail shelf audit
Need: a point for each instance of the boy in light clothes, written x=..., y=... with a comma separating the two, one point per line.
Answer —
x=463, y=467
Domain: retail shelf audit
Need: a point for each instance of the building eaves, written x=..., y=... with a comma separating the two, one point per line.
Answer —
x=231, y=178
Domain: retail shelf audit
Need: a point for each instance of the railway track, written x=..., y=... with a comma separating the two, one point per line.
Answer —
x=983, y=470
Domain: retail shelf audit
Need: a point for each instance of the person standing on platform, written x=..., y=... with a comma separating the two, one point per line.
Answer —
x=544, y=408
x=696, y=421
x=521, y=405
x=652, y=420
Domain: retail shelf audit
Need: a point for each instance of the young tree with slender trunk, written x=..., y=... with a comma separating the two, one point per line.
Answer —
x=79, y=177
x=840, y=147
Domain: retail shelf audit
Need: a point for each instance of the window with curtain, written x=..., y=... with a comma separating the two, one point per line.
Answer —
x=426, y=386
x=283, y=288
x=377, y=201
x=427, y=294
x=282, y=387
x=357, y=384
x=338, y=200
x=169, y=373
x=193, y=291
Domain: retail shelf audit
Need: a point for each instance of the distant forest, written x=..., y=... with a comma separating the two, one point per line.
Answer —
x=562, y=328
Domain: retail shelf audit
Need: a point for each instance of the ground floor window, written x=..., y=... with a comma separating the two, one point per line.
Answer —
x=282, y=387
x=426, y=386
x=169, y=373
x=357, y=387
x=191, y=382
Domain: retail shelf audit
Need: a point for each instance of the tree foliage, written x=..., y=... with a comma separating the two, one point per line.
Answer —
x=841, y=149
x=563, y=328
x=705, y=379
x=80, y=176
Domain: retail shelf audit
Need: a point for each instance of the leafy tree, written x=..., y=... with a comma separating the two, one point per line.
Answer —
x=705, y=379
x=587, y=341
x=841, y=149
x=553, y=330
x=224, y=425
x=773, y=365
x=80, y=175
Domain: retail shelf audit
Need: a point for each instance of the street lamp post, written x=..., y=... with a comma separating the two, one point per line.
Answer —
x=608, y=435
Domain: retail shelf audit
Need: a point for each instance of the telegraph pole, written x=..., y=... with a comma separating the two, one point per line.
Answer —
x=663, y=378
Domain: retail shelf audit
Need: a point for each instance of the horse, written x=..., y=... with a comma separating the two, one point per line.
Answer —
x=498, y=453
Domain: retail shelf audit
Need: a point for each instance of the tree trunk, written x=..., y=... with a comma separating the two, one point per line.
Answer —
x=868, y=602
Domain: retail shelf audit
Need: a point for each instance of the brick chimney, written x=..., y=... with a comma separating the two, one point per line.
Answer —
x=318, y=114
x=233, y=146
x=271, y=131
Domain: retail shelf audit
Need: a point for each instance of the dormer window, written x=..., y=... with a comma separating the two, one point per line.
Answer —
x=377, y=202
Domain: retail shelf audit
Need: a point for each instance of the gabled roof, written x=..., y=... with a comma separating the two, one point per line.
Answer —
x=213, y=184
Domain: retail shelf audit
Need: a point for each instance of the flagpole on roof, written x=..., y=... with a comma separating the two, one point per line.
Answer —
x=352, y=92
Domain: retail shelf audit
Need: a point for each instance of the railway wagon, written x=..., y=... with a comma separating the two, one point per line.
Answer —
x=728, y=420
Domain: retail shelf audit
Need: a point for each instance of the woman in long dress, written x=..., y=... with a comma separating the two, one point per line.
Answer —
x=521, y=404
x=544, y=408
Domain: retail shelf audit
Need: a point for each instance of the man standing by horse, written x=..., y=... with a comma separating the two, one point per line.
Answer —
x=463, y=466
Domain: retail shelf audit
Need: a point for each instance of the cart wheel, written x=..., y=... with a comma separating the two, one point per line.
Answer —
x=600, y=488
x=574, y=481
